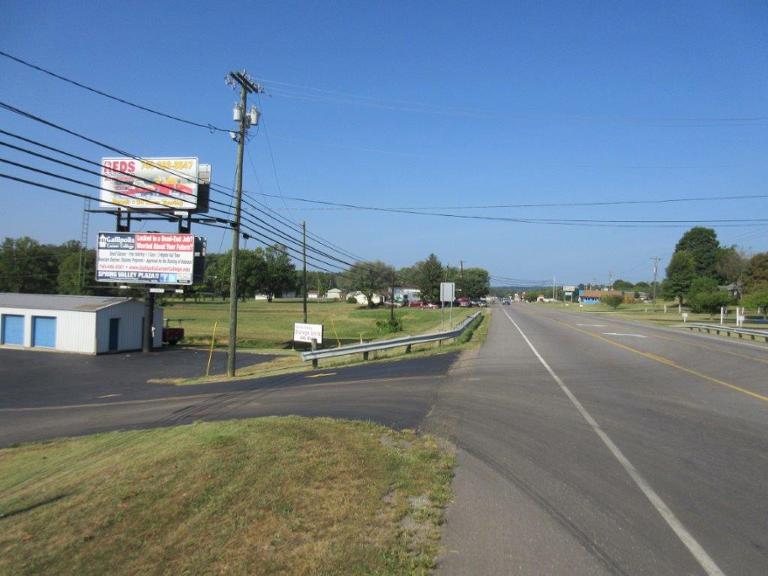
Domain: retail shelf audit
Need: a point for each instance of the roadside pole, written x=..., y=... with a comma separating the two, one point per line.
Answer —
x=655, y=260
x=245, y=119
x=304, y=281
x=149, y=317
x=392, y=301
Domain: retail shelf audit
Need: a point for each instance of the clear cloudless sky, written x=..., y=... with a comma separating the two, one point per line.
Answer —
x=418, y=104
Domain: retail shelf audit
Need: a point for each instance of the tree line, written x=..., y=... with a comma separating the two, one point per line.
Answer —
x=27, y=266
x=700, y=265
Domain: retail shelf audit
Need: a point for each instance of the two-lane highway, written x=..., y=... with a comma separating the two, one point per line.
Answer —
x=593, y=446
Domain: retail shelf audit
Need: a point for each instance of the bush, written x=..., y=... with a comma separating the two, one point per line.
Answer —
x=389, y=325
x=709, y=302
x=757, y=298
x=351, y=300
x=614, y=300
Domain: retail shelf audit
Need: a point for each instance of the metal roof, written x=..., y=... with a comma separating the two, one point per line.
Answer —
x=59, y=302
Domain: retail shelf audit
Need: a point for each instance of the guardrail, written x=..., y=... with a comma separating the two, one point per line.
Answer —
x=716, y=328
x=406, y=341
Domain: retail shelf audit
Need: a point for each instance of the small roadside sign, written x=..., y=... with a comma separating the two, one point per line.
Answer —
x=447, y=291
x=307, y=332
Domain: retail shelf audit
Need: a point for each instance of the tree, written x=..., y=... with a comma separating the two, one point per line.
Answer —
x=613, y=300
x=76, y=273
x=757, y=298
x=702, y=244
x=429, y=278
x=623, y=285
x=27, y=266
x=475, y=283
x=702, y=286
x=408, y=276
x=729, y=265
x=757, y=270
x=279, y=272
x=680, y=273
x=369, y=278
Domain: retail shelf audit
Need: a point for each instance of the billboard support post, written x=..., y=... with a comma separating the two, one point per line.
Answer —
x=149, y=318
x=123, y=225
x=244, y=119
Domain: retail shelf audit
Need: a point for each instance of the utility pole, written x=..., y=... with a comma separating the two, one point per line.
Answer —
x=245, y=119
x=304, y=282
x=392, y=301
x=655, y=260
x=554, y=295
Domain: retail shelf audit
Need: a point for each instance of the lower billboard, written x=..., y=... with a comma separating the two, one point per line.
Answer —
x=145, y=258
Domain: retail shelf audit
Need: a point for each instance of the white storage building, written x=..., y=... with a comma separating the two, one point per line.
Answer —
x=81, y=324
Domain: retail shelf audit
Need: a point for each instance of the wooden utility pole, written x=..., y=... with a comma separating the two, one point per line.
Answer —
x=245, y=119
x=304, y=282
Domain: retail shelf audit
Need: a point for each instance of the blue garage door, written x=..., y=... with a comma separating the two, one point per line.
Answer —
x=13, y=329
x=44, y=331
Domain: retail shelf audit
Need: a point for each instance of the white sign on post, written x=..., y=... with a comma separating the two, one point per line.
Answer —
x=447, y=291
x=307, y=332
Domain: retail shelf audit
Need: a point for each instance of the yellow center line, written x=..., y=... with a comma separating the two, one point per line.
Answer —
x=705, y=347
x=666, y=362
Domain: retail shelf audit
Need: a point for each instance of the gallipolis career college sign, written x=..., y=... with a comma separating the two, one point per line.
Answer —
x=145, y=258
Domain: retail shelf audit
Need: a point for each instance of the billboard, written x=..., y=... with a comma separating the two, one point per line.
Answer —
x=149, y=183
x=145, y=258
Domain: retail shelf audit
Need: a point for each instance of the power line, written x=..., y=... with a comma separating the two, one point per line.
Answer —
x=25, y=114
x=210, y=127
x=60, y=151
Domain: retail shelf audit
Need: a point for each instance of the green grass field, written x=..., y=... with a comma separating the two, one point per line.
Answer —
x=656, y=314
x=270, y=324
x=289, y=361
x=261, y=496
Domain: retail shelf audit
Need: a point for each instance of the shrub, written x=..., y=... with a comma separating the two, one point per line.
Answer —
x=709, y=302
x=351, y=300
x=389, y=325
x=614, y=300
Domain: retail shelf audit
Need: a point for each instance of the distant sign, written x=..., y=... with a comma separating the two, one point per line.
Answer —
x=307, y=332
x=447, y=291
x=569, y=288
x=145, y=258
x=150, y=183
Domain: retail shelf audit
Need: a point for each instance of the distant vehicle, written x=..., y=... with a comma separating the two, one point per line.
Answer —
x=506, y=301
x=464, y=302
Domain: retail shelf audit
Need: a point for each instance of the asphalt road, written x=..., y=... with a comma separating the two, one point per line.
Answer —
x=593, y=446
x=586, y=445
x=48, y=395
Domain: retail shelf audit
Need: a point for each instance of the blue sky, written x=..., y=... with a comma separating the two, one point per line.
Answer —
x=413, y=104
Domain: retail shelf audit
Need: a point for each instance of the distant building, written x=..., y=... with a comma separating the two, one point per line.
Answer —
x=362, y=299
x=334, y=294
x=312, y=295
x=403, y=295
x=595, y=296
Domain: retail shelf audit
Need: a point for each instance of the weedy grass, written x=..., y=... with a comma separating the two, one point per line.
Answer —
x=260, y=496
x=269, y=325
x=291, y=364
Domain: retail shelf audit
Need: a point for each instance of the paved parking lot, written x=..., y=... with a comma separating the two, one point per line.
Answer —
x=34, y=378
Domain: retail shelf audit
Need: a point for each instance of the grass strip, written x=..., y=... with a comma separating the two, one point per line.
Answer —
x=293, y=364
x=261, y=496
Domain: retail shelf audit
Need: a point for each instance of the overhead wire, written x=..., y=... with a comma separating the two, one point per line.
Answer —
x=28, y=64
x=96, y=142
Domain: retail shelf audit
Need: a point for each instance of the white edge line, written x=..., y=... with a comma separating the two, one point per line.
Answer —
x=698, y=552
